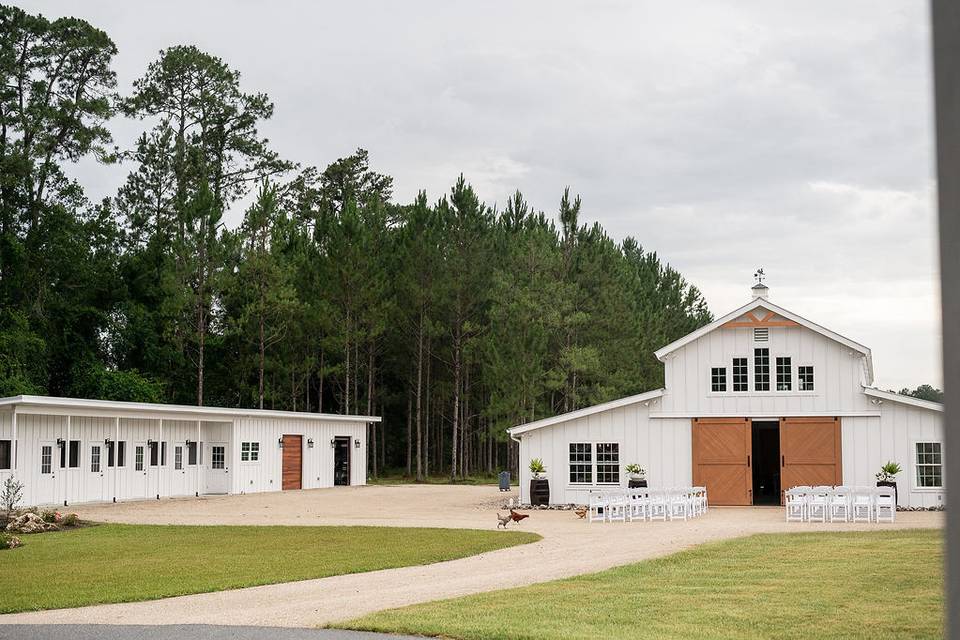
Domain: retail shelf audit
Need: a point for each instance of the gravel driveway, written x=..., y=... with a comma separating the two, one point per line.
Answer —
x=570, y=546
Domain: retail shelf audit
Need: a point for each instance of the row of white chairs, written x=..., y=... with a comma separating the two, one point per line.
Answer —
x=840, y=504
x=643, y=504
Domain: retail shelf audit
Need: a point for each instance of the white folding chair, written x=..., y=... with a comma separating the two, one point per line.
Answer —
x=597, y=506
x=862, y=503
x=658, y=504
x=699, y=500
x=678, y=501
x=637, y=505
x=617, y=507
x=840, y=504
x=818, y=503
x=795, y=500
x=885, y=504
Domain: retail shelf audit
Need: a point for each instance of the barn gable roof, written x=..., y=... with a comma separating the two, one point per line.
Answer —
x=581, y=413
x=776, y=316
x=902, y=399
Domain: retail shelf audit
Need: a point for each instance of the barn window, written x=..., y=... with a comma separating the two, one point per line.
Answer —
x=118, y=448
x=163, y=454
x=178, y=458
x=581, y=463
x=929, y=465
x=138, y=457
x=608, y=463
x=740, y=374
x=805, y=378
x=191, y=453
x=95, y=458
x=122, y=453
x=249, y=451
x=718, y=379
x=153, y=454
x=784, y=374
x=761, y=369
x=5, y=454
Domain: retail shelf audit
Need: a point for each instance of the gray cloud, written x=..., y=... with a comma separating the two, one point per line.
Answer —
x=724, y=136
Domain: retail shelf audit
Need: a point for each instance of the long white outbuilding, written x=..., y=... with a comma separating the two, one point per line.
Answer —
x=754, y=403
x=67, y=450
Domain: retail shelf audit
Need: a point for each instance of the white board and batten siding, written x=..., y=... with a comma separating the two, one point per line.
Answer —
x=317, y=461
x=41, y=422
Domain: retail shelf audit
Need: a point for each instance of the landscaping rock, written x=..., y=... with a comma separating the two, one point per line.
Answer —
x=30, y=523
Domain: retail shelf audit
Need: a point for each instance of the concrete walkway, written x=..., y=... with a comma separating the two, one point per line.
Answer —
x=570, y=546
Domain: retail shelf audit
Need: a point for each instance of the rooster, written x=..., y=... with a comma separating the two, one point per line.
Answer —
x=517, y=517
x=503, y=521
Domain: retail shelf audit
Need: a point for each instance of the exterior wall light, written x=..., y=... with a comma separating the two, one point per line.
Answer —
x=280, y=443
x=187, y=443
x=333, y=443
x=310, y=442
x=60, y=443
x=150, y=443
x=107, y=441
x=356, y=444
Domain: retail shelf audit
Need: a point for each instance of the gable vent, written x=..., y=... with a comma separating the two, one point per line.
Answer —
x=761, y=335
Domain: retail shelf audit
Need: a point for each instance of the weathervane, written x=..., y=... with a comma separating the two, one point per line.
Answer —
x=759, y=275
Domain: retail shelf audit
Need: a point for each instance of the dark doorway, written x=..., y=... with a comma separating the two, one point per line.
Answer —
x=766, y=462
x=341, y=461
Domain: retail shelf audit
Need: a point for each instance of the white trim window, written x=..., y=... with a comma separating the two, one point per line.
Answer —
x=929, y=465
x=784, y=374
x=608, y=463
x=805, y=378
x=740, y=381
x=581, y=463
x=178, y=458
x=761, y=369
x=249, y=451
x=718, y=379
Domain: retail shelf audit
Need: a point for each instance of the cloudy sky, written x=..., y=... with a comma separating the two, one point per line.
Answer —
x=724, y=136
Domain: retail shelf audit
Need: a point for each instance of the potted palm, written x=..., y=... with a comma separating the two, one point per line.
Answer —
x=887, y=477
x=539, y=485
x=637, y=476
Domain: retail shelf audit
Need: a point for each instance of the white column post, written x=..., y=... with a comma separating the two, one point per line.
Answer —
x=116, y=459
x=160, y=461
x=66, y=471
x=16, y=446
x=198, y=467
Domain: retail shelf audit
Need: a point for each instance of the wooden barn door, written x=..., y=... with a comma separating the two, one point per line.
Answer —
x=721, y=459
x=810, y=452
x=292, y=462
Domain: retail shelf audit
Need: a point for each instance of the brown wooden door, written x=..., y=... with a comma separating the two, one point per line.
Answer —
x=721, y=459
x=292, y=462
x=810, y=452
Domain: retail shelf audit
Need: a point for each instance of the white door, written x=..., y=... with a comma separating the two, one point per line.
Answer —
x=138, y=477
x=217, y=470
x=96, y=476
x=46, y=489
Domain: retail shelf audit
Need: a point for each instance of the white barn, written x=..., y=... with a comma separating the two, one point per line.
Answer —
x=754, y=403
x=67, y=450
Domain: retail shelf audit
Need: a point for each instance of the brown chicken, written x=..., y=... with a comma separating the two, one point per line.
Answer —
x=581, y=512
x=517, y=517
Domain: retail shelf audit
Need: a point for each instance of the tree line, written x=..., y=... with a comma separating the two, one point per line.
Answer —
x=450, y=318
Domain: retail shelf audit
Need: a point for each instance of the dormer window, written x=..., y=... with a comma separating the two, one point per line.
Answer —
x=718, y=379
x=761, y=369
x=784, y=374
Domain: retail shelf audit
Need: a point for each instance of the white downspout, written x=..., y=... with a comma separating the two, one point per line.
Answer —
x=160, y=460
x=66, y=471
x=197, y=459
x=116, y=459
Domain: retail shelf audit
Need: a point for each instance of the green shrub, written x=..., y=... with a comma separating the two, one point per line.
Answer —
x=70, y=520
x=8, y=541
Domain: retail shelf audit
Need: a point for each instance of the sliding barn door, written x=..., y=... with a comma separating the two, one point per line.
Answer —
x=810, y=452
x=721, y=459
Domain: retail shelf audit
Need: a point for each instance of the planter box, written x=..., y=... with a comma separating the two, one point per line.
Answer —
x=539, y=491
x=637, y=483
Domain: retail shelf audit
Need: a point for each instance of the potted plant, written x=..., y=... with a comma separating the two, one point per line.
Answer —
x=637, y=476
x=539, y=485
x=887, y=477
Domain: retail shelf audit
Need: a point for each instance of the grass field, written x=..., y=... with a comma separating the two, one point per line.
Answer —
x=123, y=563
x=810, y=585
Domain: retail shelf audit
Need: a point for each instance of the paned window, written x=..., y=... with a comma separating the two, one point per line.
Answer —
x=805, y=378
x=718, y=379
x=138, y=457
x=740, y=374
x=249, y=451
x=95, y=458
x=581, y=463
x=46, y=459
x=929, y=465
x=761, y=369
x=608, y=463
x=784, y=374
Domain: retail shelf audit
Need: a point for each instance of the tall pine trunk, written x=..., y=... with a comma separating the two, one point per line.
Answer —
x=419, y=415
x=454, y=443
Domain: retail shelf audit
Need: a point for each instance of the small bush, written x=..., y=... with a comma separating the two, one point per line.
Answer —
x=51, y=516
x=8, y=541
x=70, y=520
x=11, y=495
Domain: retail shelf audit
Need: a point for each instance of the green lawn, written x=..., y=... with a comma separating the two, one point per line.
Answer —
x=808, y=585
x=123, y=563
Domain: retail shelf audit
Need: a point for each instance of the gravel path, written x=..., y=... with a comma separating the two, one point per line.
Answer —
x=569, y=547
